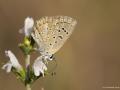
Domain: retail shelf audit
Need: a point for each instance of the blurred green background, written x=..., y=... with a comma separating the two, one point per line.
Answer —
x=88, y=60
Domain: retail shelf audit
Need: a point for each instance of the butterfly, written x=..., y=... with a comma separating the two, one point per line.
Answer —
x=50, y=33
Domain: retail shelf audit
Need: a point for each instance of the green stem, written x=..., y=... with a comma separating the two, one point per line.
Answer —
x=27, y=64
x=28, y=87
x=27, y=61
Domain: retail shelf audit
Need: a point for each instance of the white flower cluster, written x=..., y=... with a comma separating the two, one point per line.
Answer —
x=38, y=67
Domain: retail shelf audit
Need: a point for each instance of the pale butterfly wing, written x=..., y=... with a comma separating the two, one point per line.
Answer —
x=50, y=33
x=38, y=39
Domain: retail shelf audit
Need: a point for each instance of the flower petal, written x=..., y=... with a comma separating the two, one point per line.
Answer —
x=28, y=26
x=39, y=66
x=13, y=60
x=8, y=67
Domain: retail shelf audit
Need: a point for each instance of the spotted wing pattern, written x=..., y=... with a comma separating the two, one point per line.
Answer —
x=50, y=33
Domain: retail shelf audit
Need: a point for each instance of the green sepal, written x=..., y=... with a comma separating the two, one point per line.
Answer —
x=27, y=45
x=19, y=74
x=23, y=74
x=26, y=49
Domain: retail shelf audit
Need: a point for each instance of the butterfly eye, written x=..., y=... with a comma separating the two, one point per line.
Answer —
x=51, y=57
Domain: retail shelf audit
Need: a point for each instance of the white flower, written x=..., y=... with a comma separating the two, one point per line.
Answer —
x=28, y=26
x=39, y=66
x=12, y=63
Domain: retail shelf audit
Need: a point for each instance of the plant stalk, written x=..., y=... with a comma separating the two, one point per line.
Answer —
x=28, y=87
x=27, y=61
x=27, y=64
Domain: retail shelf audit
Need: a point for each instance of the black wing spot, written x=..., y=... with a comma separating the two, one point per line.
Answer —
x=55, y=41
x=53, y=37
x=58, y=30
x=64, y=29
x=50, y=44
x=60, y=37
x=66, y=32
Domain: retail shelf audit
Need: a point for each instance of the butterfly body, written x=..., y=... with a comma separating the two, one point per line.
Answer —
x=50, y=33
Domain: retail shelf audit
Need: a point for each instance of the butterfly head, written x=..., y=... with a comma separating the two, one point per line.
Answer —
x=48, y=56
